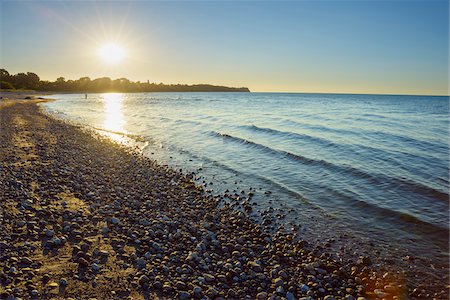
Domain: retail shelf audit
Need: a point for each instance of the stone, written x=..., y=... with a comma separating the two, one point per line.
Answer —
x=63, y=282
x=262, y=296
x=83, y=262
x=278, y=282
x=290, y=296
x=95, y=267
x=45, y=278
x=197, y=291
x=365, y=261
x=52, y=285
x=209, y=277
x=280, y=290
x=141, y=263
x=157, y=285
x=184, y=295
x=180, y=285
x=380, y=293
x=26, y=261
x=143, y=280
x=49, y=233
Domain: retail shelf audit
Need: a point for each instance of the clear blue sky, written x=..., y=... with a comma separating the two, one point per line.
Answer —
x=304, y=46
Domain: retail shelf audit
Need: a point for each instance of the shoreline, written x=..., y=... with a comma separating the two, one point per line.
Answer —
x=85, y=211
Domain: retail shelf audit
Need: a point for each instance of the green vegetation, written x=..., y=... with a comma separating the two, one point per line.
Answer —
x=100, y=85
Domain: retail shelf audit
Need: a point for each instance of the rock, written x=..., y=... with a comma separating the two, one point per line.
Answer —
x=45, y=278
x=180, y=285
x=380, y=293
x=262, y=296
x=349, y=297
x=56, y=241
x=213, y=292
x=52, y=285
x=184, y=295
x=95, y=267
x=328, y=297
x=83, y=263
x=304, y=288
x=280, y=290
x=115, y=221
x=63, y=282
x=321, y=271
x=49, y=233
x=255, y=266
x=365, y=261
x=157, y=285
x=143, y=280
x=3, y=245
x=26, y=261
x=141, y=263
x=290, y=296
x=278, y=282
x=209, y=277
x=197, y=292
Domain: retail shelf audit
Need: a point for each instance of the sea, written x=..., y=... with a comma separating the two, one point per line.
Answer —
x=365, y=173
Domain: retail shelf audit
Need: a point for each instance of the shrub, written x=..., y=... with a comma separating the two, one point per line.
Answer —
x=6, y=85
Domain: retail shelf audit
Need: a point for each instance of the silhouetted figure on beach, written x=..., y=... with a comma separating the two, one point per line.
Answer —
x=85, y=96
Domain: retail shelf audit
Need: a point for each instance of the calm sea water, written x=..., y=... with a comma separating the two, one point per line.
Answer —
x=375, y=164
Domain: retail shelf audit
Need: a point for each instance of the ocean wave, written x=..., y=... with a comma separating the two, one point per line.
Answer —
x=374, y=179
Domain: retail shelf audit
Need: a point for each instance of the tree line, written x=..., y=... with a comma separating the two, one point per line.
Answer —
x=31, y=81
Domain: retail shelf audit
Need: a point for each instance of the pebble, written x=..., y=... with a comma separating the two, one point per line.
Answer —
x=95, y=267
x=49, y=233
x=304, y=288
x=143, y=279
x=184, y=295
x=209, y=277
x=280, y=290
x=380, y=293
x=278, y=282
x=141, y=263
x=290, y=296
x=158, y=231
x=63, y=282
x=52, y=285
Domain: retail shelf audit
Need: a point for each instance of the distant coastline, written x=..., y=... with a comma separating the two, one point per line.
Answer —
x=31, y=81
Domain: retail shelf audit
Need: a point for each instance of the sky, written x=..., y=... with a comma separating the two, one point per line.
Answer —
x=380, y=47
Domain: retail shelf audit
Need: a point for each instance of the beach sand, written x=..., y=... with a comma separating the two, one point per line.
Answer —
x=83, y=217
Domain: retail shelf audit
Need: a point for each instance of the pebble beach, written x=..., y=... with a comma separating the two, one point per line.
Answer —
x=83, y=217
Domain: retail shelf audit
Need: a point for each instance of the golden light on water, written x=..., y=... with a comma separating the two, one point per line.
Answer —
x=114, y=120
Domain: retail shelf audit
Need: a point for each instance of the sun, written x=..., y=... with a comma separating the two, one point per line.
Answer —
x=111, y=53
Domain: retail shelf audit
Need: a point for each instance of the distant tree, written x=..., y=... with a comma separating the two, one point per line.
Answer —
x=4, y=75
x=6, y=85
x=31, y=80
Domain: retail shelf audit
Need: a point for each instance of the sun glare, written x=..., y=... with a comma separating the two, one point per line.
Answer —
x=112, y=53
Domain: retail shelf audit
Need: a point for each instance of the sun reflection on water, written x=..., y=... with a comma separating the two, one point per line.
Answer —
x=114, y=120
